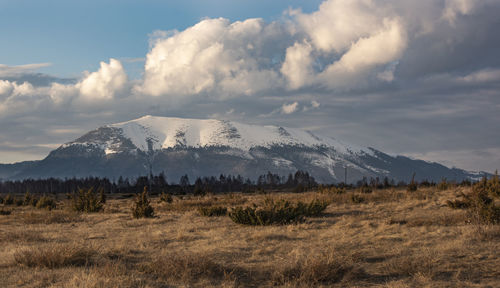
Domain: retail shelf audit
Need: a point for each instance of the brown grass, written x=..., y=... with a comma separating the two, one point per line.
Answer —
x=55, y=256
x=51, y=217
x=392, y=239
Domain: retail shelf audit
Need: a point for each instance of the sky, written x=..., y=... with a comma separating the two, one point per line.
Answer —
x=416, y=78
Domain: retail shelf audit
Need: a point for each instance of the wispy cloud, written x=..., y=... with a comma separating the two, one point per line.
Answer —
x=8, y=71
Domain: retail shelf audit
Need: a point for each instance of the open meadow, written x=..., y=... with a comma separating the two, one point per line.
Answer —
x=386, y=238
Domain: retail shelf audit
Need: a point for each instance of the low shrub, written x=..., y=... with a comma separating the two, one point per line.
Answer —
x=142, y=208
x=365, y=189
x=458, y=204
x=46, y=203
x=493, y=185
x=212, y=211
x=86, y=200
x=331, y=190
x=412, y=186
x=314, y=208
x=443, y=185
x=5, y=212
x=19, y=202
x=9, y=200
x=481, y=208
x=1, y=200
x=102, y=196
x=277, y=212
x=27, y=198
x=355, y=198
x=166, y=197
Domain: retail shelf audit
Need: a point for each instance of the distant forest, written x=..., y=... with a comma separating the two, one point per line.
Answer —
x=299, y=182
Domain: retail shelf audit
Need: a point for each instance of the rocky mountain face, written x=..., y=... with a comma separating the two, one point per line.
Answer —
x=196, y=147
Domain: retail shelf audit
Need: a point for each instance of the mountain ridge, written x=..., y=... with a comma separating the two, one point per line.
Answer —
x=209, y=147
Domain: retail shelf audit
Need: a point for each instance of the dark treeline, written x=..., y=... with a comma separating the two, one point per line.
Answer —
x=300, y=181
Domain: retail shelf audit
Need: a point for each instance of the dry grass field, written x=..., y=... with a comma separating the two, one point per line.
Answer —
x=393, y=238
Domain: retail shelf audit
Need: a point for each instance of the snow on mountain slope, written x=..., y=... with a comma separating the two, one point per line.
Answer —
x=167, y=132
x=212, y=147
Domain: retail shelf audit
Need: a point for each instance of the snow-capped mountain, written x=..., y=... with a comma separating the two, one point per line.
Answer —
x=209, y=147
x=156, y=133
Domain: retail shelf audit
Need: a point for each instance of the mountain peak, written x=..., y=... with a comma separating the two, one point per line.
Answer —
x=168, y=132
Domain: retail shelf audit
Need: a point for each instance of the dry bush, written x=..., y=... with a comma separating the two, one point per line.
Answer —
x=422, y=194
x=212, y=211
x=412, y=186
x=142, y=207
x=423, y=262
x=55, y=256
x=192, y=203
x=187, y=268
x=52, y=217
x=331, y=190
x=46, y=203
x=5, y=212
x=386, y=195
x=9, y=200
x=166, y=197
x=443, y=185
x=356, y=199
x=314, y=270
x=22, y=236
x=365, y=189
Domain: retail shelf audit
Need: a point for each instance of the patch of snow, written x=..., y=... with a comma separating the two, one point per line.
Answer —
x=167, y=132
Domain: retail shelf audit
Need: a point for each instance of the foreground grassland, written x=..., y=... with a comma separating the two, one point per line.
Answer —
x=393, y=238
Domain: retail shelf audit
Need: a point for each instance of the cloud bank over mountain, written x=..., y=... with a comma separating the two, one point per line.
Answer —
x=426, y=67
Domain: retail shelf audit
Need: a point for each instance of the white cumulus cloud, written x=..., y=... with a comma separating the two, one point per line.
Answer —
x=289, y=108
x=104, y=83
x=211, y=56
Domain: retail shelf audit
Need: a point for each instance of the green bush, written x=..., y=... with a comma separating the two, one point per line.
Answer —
x=46, y=203
x=19, y=202
x=1, y=200
x=9, y=200
x=142, y=208
x=314, y=208
x=102, y=196
x=212, y=211
x=27, y=198
x=480, y=206
x=5, y=212
x=166, y=197
x=86, y=200
x=280, y=212
x=493, y=185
